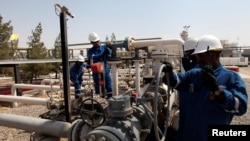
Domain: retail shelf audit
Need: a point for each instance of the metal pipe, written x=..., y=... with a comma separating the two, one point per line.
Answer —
x=32, y=86
x=137, y=75
x=23, y=99
x=45, y=126
x=114, y=73
x=65, y=62
x=49, y=81
x=139, y=44
x=148, y=66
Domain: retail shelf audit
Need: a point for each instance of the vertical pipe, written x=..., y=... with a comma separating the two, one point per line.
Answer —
x=149, y=67
x=137, y=75
x=17, y=78
x=65, y=64
x=114, y=73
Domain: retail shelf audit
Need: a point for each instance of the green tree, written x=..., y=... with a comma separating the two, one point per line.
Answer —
x=57, y=53
x=113, y=39
x=13, y=47
x=6, y=30
x=107, y=39
x=38, y=51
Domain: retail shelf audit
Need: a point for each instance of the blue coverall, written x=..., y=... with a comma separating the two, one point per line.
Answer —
x=183, y=96
x=200, y=110
x=76, y=73
x=100, y=54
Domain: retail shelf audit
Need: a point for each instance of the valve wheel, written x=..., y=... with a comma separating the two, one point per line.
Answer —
x=160, y=134
x=92, y=112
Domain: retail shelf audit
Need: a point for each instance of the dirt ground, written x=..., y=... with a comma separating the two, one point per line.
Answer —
x=245, y=119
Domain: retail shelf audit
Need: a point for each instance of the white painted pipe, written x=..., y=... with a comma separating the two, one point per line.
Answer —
x=24, y=99
x=148, y=67
x=137, y=75
x=45, y=126
x=159, y=42
x=49, y=81
x=32, y=86
x=114, y=77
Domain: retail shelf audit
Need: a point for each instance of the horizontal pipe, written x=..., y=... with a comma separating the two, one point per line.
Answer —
x=44, y=126
x=161, y=42
x=24, y=99
x=38, y=87
x=49, y=81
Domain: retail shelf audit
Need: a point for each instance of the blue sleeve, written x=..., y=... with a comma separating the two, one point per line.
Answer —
x=235, y=94
x=181, y=81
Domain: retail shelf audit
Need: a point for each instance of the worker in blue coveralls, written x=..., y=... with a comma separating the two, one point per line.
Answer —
x=217, y=94
x=76, y=73
x=189, y=61
x=100, y=53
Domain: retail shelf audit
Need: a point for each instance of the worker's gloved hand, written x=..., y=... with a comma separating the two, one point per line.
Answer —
x=186, y=63
x=168, y=68
x=208, y=79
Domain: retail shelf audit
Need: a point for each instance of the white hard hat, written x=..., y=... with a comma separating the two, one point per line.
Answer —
x=190, y=44
x=208, y=42
x=80, y=58
x=93, y=37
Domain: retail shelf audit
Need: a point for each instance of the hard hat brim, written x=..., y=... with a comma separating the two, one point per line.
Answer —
x=214, y=49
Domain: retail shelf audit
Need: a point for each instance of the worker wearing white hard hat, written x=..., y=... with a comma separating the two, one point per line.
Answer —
x=208, y=50
x=188, y=60
x=99, y=53
x=208, y=43
x=76, y=74
x=93, y=37
x=216, y=94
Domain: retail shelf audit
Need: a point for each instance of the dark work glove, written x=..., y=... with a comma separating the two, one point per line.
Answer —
x=186, y=63
x=168, y=68
x=208, y=79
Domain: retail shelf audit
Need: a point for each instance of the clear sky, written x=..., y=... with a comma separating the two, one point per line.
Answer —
x=227, y=19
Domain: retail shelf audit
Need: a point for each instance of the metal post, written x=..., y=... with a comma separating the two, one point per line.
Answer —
x=65, y=64
x=17, y=78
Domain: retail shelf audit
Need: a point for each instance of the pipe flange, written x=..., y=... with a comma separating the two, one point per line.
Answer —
x=78, y=130
x=130, y=41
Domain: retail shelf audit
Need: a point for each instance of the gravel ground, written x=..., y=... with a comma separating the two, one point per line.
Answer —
x=245, y=119
x=12, y=134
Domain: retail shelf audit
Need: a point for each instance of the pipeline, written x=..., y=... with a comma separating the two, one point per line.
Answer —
x=132, y=44
x=45, y=126
x=30, y=100
x=126, y=118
